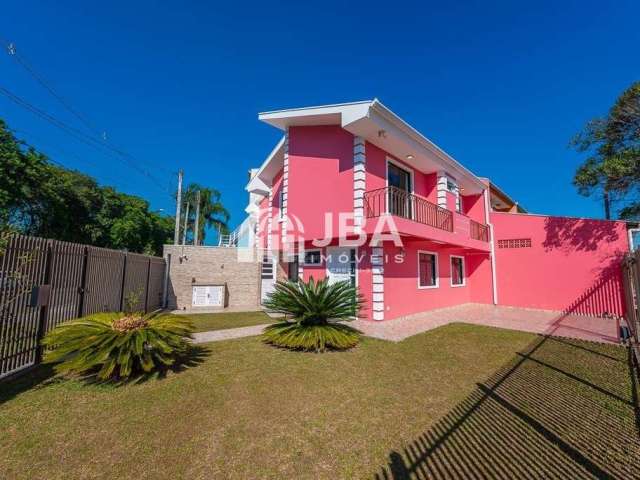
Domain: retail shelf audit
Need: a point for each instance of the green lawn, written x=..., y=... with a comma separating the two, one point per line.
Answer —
x=205, y=322
x=455, y=400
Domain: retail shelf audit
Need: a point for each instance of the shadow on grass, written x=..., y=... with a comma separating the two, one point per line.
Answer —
x=560, y=409
x=44, y=375
x=32, y=378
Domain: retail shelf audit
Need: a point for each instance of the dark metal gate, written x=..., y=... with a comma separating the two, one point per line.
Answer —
x=46, y=282
x=631, y=280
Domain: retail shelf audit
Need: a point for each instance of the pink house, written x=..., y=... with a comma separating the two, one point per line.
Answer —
x=352, y=192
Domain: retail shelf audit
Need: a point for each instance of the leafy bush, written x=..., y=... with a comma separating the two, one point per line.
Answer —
x=116, y=345
x=314, y=308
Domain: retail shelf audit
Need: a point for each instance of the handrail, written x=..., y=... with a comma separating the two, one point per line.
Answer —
x=394, y=201
x=478, y=231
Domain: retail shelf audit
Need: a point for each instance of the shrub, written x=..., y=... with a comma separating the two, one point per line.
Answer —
x=117, y=345
x=315, y=309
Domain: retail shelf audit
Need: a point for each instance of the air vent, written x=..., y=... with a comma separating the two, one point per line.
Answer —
x=515, y=243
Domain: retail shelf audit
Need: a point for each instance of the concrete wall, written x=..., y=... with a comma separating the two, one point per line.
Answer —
x=190, y=266
x=565, y=264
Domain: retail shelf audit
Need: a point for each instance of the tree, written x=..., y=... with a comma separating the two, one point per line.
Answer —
x=212, y=212
x=42, y=199
x=613, y=167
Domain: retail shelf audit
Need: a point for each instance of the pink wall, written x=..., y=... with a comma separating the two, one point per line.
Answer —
x=573, y=265
x=402, y=295
x=473, y=207
x=320, y=176
x=424, y=184
x=319, y=272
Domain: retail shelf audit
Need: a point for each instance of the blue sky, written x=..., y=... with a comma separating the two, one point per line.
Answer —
x=502, y=86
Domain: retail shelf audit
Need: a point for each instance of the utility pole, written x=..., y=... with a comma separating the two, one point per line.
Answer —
x=176, y=233
x=186, y=223
x=196, y=232
x=607, y=204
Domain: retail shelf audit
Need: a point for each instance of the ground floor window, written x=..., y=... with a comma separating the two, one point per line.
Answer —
x=312, y=257
x=427, y=270
x=457, y=271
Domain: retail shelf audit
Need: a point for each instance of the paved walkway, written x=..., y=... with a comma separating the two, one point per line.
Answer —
x=536, y=321
x=227, y=334
x=545, y=322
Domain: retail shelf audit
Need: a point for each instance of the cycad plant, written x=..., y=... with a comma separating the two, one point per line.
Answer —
x=117, y=345
x=314, y=312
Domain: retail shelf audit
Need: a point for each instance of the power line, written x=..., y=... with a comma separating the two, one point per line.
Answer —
x=78, y=134
x=13, y=52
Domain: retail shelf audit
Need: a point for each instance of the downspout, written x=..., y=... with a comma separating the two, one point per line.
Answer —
x=494, y=285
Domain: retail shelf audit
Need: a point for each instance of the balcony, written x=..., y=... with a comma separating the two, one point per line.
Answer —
x=399, y=203
x=393, y=201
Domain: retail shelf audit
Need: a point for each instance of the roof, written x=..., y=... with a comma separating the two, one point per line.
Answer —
x=376, y=123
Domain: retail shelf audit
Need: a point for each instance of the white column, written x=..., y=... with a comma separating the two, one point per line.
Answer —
x=285, y=190
x=377, y=281
x=359, y=181
x=442, y=189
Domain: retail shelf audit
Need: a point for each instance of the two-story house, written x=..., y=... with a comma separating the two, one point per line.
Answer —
x=352, y=192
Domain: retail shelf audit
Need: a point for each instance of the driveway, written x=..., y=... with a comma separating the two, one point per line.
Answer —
x=545, y=322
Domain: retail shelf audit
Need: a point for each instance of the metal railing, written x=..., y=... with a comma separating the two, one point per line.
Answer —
x=478, y=231
x=394, y=201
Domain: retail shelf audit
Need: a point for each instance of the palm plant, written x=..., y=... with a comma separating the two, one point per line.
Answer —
x=116, y=345
x=212, y=211
x=314, y=312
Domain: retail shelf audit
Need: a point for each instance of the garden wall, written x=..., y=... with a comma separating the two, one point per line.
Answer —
x=571, y=265
x=235, y=268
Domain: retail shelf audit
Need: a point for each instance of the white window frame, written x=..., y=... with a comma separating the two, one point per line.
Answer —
x=464, y=271
x=437, y=260
x=401, y=166
x=304, y=259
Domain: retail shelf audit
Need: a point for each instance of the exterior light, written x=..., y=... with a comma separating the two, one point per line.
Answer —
x=409, y=157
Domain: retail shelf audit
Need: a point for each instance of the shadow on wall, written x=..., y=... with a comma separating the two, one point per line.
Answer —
x=605, y=296
x=571, y=234
x=534, y=418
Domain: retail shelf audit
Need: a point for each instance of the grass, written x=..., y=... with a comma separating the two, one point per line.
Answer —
x=205, y=322
x=460, y=398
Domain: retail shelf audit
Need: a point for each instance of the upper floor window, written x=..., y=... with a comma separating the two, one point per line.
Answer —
x=427, y=270
x=457, y=271
x=452, y=187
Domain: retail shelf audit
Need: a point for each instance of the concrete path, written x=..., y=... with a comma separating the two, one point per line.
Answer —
x=546, y=322
x=227, y=334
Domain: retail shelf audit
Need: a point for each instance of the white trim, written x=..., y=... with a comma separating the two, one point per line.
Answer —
x=464, y=271
x=492, y=246
x=304, y=259
x=437, y=262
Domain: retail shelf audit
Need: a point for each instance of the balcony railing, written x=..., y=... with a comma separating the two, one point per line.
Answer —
x=393, y=201
x=478, y=231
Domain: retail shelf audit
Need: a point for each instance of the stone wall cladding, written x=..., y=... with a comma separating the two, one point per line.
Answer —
x=212, y=266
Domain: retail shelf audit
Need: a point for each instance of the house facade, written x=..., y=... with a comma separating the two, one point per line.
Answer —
x=353, y=193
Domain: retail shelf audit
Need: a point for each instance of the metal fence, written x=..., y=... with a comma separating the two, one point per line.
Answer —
x=631, y=281
x=46, y=282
